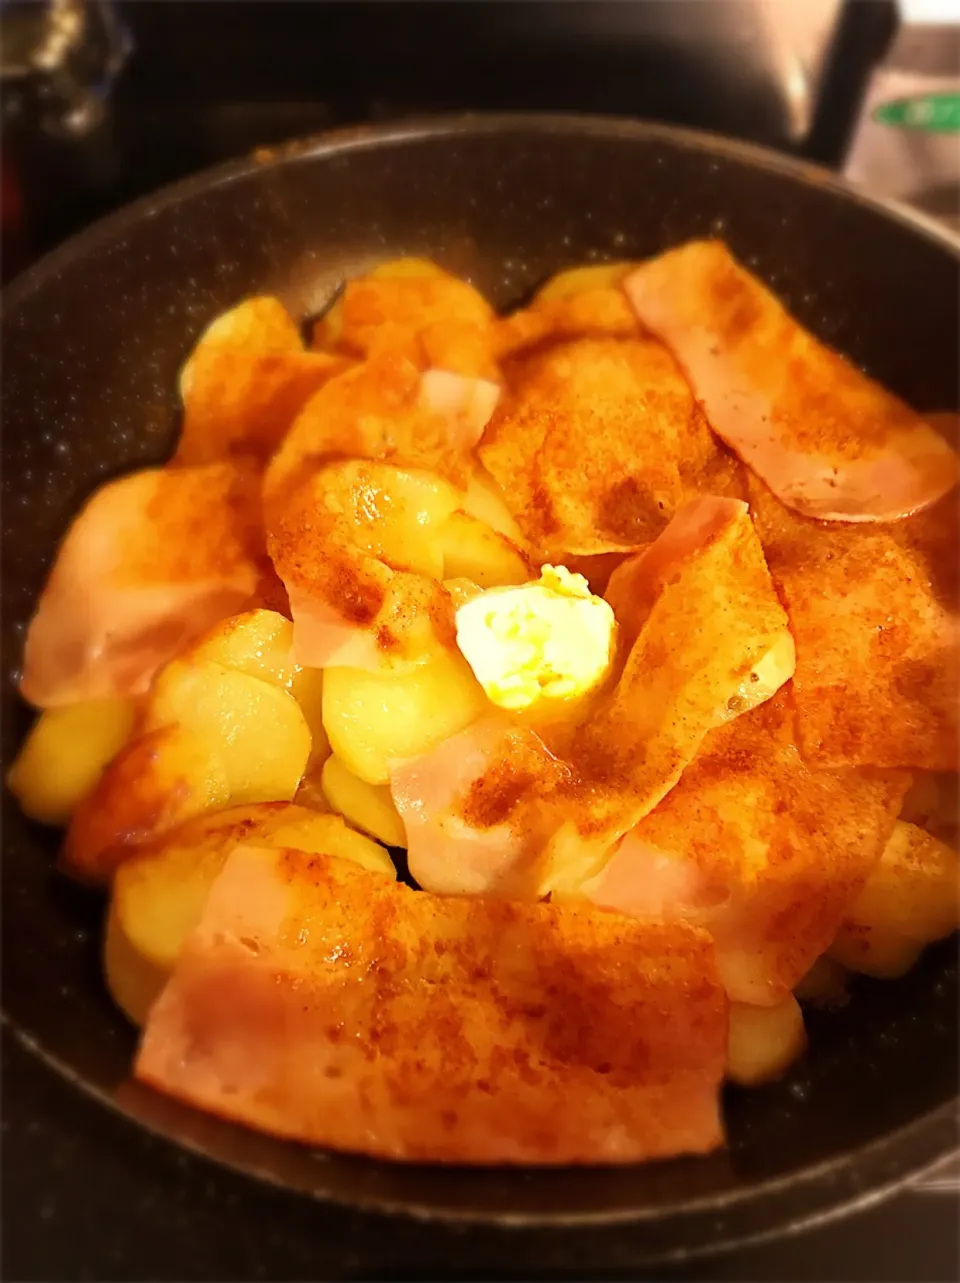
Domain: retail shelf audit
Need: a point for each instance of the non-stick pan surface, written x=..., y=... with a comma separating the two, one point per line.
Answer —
x=93, y=338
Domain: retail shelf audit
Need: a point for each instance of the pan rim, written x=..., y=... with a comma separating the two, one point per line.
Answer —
x=466, y=124
x=929, y=1137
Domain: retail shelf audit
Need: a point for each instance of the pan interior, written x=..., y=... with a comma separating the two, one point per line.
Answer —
x=92, y=343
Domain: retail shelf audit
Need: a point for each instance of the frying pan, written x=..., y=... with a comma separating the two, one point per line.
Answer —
x=93, y=338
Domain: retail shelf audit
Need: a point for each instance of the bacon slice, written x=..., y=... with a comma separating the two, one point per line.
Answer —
x=874, y=612
x=765, y=852
x=320, y=1002
x=826, y=439
x=501, y=809
x=152, y=560
x=597, y=442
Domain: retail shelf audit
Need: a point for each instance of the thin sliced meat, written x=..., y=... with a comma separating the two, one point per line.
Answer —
x=479, y=808
x=764, y=851
x=597, y=442
x=874, y=615
x=500, y=809
x=465, y=404
x=320, y=1002
x=151, y=561
x=826, y=439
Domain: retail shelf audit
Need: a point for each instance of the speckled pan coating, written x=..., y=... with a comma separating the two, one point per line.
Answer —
x=92, y=341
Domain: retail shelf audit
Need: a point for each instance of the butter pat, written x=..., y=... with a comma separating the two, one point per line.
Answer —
x=549, y=640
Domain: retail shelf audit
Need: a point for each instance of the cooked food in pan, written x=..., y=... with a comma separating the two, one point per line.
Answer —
x=491, y=731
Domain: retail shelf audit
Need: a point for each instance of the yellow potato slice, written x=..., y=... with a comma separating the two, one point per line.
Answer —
x=373, y=719
x=256, y=729
x=328, y=330
x=155, y=782
x=911, y=898
x=575, y=280
x=366, y=806
x=64, y=754
x=133, y=980
x=260, y=642
x=763, y=1041
x=158, y=894
x=484, y=500
x=473, y=550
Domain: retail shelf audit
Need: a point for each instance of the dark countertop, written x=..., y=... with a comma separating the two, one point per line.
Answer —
x=87, y=1195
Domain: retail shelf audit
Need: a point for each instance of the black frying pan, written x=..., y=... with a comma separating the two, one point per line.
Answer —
x=93, y=338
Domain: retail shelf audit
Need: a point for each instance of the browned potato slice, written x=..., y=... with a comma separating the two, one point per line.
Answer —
x=576, y=280
x=61, y=759
x=260, y=642
x=763, y=1041
x=911, y=899
x=373, y=719
x=156, y=782
x=473, y=550
x=254, y=728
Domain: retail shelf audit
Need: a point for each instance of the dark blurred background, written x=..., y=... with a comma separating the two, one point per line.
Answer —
x=105, y=101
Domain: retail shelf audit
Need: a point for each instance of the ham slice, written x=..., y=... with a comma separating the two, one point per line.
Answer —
x=151, y=561
x=828, y=441
x=874, y=614
x=465, y=404
x=326, y=1004
x=479, y=808
x=500, y=809
x=765, y=852
x=597, y=442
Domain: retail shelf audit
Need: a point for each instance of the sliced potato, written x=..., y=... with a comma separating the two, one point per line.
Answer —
x=911, y=899
x=64, y=754
x=366, y=806
x=133, y=980
x=158, y=893
x=307, y=689
x=155, y=782
x=484, y=500
x=260, y=642
x=328, y=330
x=373, y=719
x=882, y=954
x=391, y=513
x=473, y=550
x=763, y=1041
x=255, y=728
x=592, y=276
